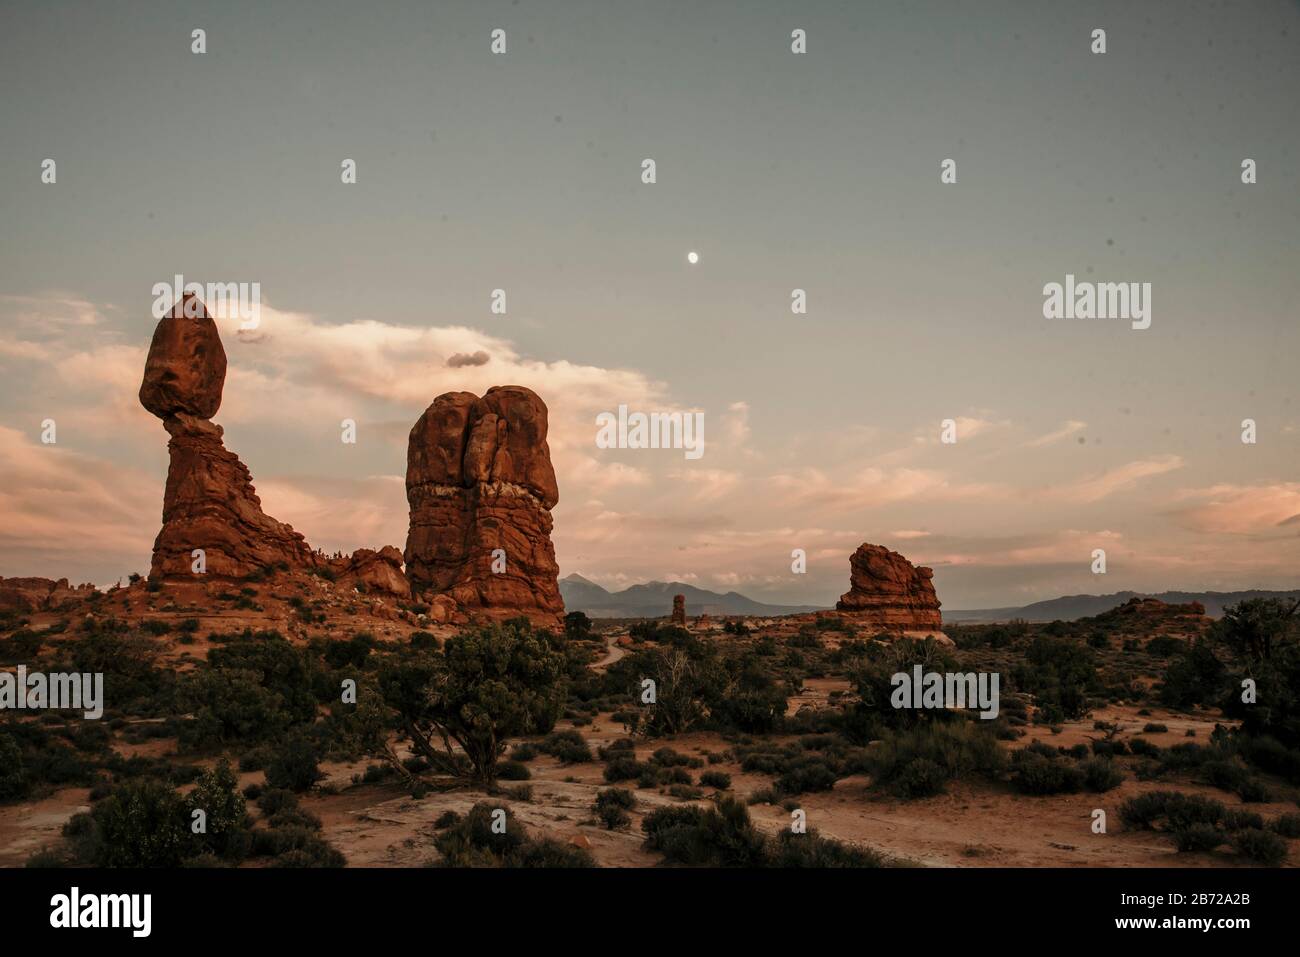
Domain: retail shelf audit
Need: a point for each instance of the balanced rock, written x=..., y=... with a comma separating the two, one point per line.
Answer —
x=186, y=368
x=480, y=486
x=209, y=503
x=889, y=592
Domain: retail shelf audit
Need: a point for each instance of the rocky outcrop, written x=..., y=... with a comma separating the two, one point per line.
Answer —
x=1154, y=608
x=209, y=503
x=39, y=594
x=372, y=572
x=679, y=610
x=889, y=592
x=480, y=486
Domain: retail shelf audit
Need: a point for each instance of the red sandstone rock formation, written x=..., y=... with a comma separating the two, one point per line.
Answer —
x=210, y=502
x=890, y=592
x=39, y=594
x=679, y=610
x=373, y=571
x=480, y=486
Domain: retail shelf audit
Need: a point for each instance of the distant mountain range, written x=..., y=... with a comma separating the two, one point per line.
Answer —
x=655, y=600
x=1071, y=607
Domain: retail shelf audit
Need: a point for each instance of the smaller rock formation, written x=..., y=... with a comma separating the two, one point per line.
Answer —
x=1155, y=608
x=372, y=572
x=890, y=593
x=679, y=610
x=39, y=594
x=481, y=487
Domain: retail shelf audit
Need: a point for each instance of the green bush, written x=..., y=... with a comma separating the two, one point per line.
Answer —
x=1197, y=838
x=217, y=795
x=1288, y=825
x=1179, y=811
x=513, y=771
x=568, y=746
x=142, y=823
x=13, y=776
x=1263, y=847
x=294, y=767
x=956, y=748
x=473, y=841
x=716, y=779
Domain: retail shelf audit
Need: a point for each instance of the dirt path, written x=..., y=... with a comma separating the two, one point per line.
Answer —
x=614, y=652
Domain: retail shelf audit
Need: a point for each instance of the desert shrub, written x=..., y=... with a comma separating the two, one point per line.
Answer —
x=473, y=841
x=1036, y=773
x=1197, y=838
x=1236, y=819
x=611, y=807
x=1152, y=727
x=351, y=653
x=920, y=778
x=716, y=779
x=806, y=774
x=724, y=836
x=567, y=746
x=957, y=748
x=1144, y=748
x=1059, y=672
x=1195, y=677
x=668, y=758
x=623, y=769
x=294, y=767
x=548, y=852
x=424, y=641
x=523, y=752
x=513, y=771
x=140, y=824
x=13, y=776
x=1253, y=791
x=709, y=837
x=1100, y=774
x=1288, y=825
x=217, y=795
x=274, y=800
x=1263, y=847
x=1179, y=811
x=812, y=850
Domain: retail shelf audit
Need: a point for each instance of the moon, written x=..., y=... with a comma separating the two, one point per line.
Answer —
x=692, y=257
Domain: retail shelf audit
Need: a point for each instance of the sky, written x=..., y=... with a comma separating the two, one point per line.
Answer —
x=819, y=171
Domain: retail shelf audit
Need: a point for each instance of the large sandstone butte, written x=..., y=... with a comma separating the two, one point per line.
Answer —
x=889, y=592
x=481, y=487
x=209, y=502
